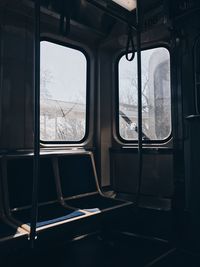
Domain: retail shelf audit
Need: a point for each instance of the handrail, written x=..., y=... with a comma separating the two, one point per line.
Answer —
x=139, y=82
x=137, y=28
x=36, y=167
x=130, y=48
x=64, y=17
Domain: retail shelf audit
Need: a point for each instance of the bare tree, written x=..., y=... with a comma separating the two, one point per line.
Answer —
x=70, y=126
x=46, y=78
x=128, y=101
x=59, y=120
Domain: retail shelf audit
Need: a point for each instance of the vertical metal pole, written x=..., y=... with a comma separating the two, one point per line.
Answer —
x=139, y=81
x=36, y=169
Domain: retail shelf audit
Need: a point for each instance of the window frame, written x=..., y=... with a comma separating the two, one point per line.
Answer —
x=87, y=110
x=117, y=124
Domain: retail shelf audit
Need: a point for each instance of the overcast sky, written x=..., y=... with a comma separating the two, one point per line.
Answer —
x=68, y=70
x=128, y=69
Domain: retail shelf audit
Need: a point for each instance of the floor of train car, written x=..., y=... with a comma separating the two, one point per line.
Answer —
x=6, y=230
x=112, y=250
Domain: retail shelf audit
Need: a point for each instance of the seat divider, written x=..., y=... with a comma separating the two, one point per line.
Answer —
x=59, y=188
x=5, y=186
x=57, y=180
x=8, y=213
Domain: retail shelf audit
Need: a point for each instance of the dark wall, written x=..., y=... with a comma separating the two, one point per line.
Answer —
x=158, y=168
x=157, y=173
x=191, y=32
x=17, y=70
x=16, y=93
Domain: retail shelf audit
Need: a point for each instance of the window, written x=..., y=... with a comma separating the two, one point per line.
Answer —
x=156, y=96
x=63, y=82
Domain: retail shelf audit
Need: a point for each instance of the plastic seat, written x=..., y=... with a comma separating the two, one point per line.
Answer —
x=79, y=185
x=17, y=172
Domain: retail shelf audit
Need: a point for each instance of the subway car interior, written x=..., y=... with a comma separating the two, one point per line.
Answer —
x=99, y=133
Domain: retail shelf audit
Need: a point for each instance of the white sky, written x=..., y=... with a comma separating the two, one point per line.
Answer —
x=128, y=70
x=68, y=70
x=127, y=66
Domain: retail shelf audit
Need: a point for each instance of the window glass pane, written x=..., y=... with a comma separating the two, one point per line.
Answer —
x=63, y=93
x=156, y=96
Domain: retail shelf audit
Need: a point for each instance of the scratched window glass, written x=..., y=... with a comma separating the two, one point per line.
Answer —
x=156, y=96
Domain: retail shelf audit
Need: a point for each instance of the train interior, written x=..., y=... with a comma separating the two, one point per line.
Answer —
x=99, y=133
